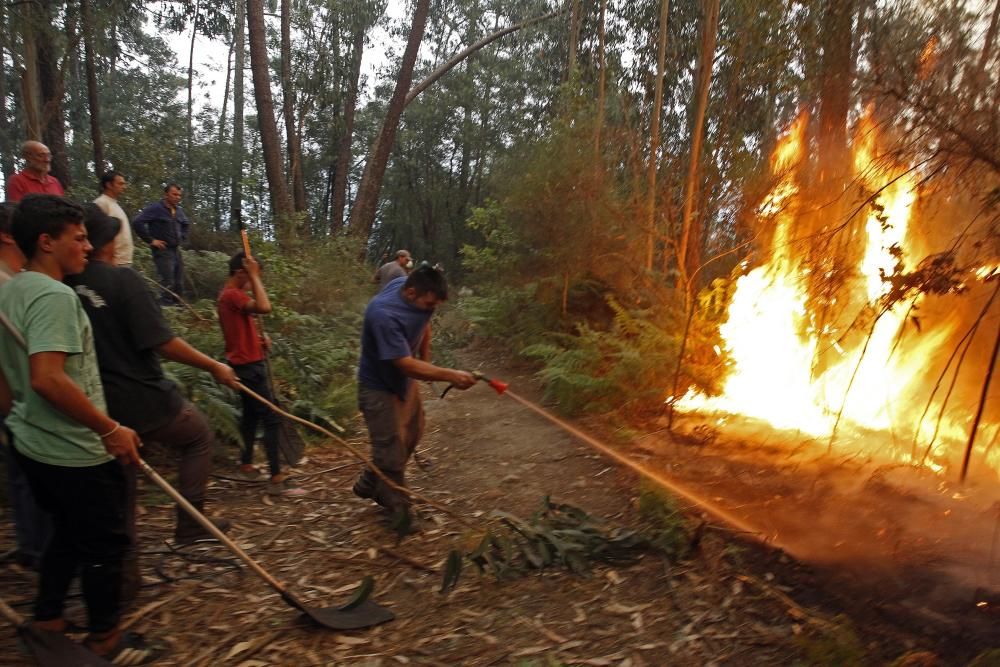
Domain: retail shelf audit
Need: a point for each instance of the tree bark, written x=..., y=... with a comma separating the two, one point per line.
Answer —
x=239, y=63
x=288, y=110
x=219, y=172
x=281, y=202
x=188, y=164
x=347, y=136
x=50, y=76
x=835, y=94
x=654, y=135
x=7, y=150
x=31, y=87
x=991, y=34
x=366, y=203
x=689, y=250
x=93, y=97
x=601, y=81
x=574, y=37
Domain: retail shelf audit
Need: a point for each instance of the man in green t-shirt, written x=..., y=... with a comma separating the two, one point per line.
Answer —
x=64, y=440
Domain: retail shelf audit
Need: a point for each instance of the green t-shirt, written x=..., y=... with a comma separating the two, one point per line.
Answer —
x=50, y=318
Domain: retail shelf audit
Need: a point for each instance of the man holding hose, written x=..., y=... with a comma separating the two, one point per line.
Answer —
x=395, y=350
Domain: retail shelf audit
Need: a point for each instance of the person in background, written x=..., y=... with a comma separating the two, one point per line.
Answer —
x=392, y=270
x=112, y=185
x=32, y=524
x=163, y=225
x=395, y=344
x=245, y=351
x=64, y=440
x=34, y=178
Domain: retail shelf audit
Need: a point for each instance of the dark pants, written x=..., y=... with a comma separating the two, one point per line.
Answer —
x=254, y=377
x=32, y=524
x=395, y=427
x=189, y=434
x=88, y=507
x=170, y=268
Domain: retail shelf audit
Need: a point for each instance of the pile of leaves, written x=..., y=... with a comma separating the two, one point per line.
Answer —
x=557, y=535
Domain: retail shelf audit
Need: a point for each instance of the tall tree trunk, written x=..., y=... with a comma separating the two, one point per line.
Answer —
x=988, y=41
x=188, y=163
x=689, y=249
x=31, y=86
x=281, y=202
x=219, y=174
x=835, y=94
x=93, y=98
x=7, y=150
x=288, y=109
x=654, y=135
x=344, y=150
x=50, y=77
x=574, y=37
x=239, y=63
x=366, y=202
x=601, y=82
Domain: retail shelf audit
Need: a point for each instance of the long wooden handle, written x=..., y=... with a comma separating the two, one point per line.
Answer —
x=212, y=528
x=10, y=614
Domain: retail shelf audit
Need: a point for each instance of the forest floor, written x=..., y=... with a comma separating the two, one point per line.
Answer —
x=732, y=601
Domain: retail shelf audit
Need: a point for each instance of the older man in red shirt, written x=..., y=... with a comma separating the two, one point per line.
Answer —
x=34, y=178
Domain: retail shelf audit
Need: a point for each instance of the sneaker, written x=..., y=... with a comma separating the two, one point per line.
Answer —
x=189, y=531
x=285, y=488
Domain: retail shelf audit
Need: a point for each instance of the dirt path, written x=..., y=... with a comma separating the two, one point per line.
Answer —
x=731, y=603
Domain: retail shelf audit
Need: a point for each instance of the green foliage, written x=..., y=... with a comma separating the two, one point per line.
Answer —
x=555, y=535
x=834, y=645
x=629, y=367
x=669, y=532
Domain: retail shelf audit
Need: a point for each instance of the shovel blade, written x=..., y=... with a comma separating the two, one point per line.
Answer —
x=364, y=615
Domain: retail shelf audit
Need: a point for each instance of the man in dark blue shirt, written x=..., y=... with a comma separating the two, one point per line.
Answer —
x=395, y=350
x=163, y=225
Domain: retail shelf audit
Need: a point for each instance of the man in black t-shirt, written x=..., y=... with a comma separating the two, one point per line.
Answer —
x=130, y=335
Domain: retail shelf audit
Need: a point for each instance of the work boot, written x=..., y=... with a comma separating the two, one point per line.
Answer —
x=365, y=486
x=189, y=531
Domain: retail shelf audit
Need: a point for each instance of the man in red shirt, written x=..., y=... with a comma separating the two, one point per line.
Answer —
x=34, y=178
x=245, y=350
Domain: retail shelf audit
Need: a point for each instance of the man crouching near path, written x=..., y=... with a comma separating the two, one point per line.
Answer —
x=395, y=344
x=65, y=442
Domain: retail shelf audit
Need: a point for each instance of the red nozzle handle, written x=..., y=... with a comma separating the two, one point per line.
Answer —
x=497, y=386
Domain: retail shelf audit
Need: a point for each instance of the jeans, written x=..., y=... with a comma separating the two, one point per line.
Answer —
x=88, y=506
x=254, y=377
x=170, y=268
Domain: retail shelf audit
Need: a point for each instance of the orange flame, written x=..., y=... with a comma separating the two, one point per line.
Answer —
x=771, y=336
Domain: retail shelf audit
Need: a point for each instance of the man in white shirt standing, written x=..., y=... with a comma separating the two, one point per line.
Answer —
x=113, y=184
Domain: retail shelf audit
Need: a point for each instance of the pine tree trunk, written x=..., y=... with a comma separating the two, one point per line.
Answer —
x=31, y=86
x=288, y=110
x=574, y=37
x=654, y=135
x=689, y=249
x=219, y=175
x=50, y=77
x=239, y=64
x=366, y=203
x=93, y=98
x=835, y=95
x=601, y=82
x=188, y=163
x=281, y=201
x=344, y=150
x=7, y=150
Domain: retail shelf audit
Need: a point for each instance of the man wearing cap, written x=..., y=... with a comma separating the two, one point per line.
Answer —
x=392, y=270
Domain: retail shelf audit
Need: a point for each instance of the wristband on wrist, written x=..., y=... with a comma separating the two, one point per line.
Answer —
x=112, y=431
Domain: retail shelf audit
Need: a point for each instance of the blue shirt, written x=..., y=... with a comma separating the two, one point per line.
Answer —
x=392, y=330
x=156, y=222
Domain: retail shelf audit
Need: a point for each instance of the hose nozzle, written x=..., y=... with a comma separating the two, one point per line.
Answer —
x=497, y=386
